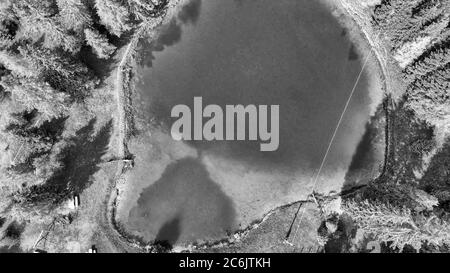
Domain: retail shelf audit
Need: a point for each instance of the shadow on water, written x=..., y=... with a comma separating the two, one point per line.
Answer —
x=183, y=205
x=190, y=12
x=169, y=34
x=352, y=53
x=362, y=159
x=169, y=232
x=365, y=164
x=364, y=151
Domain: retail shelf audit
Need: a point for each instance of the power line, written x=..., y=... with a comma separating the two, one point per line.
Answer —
x=329, y=147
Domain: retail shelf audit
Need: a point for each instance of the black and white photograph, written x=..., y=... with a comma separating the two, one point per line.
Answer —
x=224, y=134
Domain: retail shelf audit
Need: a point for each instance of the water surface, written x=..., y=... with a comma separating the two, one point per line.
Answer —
x=288, y=52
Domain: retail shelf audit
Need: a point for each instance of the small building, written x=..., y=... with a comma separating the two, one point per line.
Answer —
x=76, y=201
x=93, y=249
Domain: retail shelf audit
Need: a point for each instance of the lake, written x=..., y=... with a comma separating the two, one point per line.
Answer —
x=292, y=53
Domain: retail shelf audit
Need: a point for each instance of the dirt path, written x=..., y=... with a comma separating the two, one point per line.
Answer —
x=355, y=11
x=122, y=127
x=109, y=229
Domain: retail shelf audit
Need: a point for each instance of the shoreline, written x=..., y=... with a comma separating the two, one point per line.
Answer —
x=123, y=125
x=366, y=39
x=123, y=95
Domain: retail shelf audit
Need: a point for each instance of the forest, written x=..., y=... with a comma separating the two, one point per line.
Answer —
x=53, y=58
x=408, y=207
x=417, y=33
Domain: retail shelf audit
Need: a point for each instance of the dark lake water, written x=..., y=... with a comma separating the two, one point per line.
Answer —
x=292, y=53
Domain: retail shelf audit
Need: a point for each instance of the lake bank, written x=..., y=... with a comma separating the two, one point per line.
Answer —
x=141, y=147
